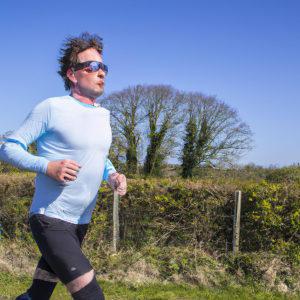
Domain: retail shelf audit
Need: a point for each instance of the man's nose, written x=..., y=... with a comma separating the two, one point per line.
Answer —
x=101, y=73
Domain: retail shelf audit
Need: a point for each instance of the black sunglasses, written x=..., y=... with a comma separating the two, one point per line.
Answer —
x=91, y=66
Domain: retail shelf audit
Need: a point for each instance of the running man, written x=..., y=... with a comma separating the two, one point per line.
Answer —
x=73, y=137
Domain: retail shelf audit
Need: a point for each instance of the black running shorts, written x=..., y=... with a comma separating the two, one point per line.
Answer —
x=60, y=244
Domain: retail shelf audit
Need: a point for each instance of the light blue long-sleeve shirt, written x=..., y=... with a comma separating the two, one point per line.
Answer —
x=64, y=129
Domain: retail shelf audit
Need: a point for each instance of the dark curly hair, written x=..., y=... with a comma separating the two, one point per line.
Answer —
x=70, y=49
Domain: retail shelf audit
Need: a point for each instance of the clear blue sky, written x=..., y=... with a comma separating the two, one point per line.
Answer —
x=244, y=51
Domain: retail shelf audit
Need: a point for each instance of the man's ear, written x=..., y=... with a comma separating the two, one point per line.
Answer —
x=71, y=76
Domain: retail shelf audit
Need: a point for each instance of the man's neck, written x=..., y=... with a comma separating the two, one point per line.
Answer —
x=83, y=99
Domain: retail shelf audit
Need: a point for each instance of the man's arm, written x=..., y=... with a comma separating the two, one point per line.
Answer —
x=14, y=154
x=14, y=151
x=116, y=181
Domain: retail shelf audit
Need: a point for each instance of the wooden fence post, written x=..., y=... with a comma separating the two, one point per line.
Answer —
x=236, y=222
x=115, y=221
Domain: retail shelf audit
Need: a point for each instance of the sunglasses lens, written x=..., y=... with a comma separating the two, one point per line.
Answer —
x=104, y=68
x=94, y=66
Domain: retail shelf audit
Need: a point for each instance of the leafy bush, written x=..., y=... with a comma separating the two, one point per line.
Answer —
x=271, y=214
x=285, y=174
x=16, y=193
x=174, y=213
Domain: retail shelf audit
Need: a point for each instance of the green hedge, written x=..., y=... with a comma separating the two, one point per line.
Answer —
x=173, y=212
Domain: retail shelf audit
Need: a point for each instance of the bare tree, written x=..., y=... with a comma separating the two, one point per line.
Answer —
x=162, y=105
x=214, y=133
x=128, y=114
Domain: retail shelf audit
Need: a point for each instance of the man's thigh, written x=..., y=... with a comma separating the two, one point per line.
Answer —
x=59, y=243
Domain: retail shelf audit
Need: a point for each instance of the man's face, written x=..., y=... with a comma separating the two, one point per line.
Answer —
x=89, y=84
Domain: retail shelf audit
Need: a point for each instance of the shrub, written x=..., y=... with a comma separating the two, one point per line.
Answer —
x=285, y=174
x=175, y=213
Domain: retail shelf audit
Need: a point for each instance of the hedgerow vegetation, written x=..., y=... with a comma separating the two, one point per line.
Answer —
x=180, y=231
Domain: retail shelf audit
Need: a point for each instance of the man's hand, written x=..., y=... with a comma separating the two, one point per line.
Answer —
x=63, y=170
x=118, y=183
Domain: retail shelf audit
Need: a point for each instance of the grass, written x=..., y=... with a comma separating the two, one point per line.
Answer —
x=12, y=286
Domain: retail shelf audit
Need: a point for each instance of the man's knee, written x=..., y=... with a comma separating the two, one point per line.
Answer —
x=45, y=275
x=80, y=282
x=91, y=291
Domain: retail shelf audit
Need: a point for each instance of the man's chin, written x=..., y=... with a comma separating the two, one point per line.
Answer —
x=97, y=94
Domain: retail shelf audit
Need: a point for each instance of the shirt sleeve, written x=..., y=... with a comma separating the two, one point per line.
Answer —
x=108, y=170
x=14, y=151
x=13, y=154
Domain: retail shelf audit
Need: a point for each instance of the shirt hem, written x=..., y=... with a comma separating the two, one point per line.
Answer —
x=52, y=215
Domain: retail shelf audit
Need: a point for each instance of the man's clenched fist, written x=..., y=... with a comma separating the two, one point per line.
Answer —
x=63, y=170
x=118, y=183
